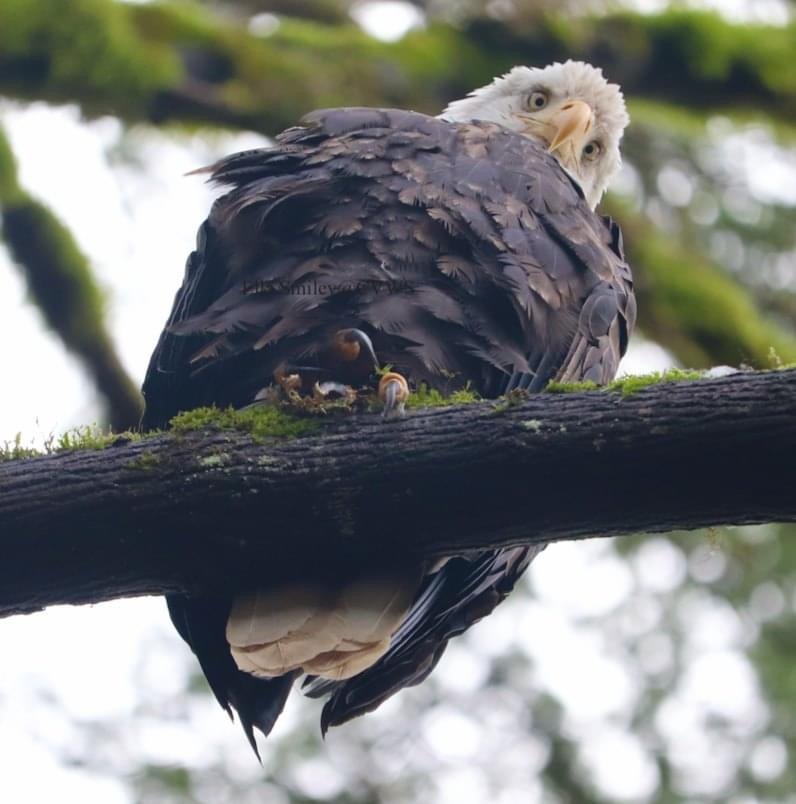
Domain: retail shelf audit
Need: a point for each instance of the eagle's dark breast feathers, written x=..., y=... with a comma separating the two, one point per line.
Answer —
x=466, y=253
x=463, y=250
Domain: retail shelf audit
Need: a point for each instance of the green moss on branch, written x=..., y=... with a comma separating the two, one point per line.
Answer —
x=265, y=422
x=626, y=386
x=425, y=397
x=259, y=421
x=87, y=437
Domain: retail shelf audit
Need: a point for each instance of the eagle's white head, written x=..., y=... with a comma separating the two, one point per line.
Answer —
x=569, y=107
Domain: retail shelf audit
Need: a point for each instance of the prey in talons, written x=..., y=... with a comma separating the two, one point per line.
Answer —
x=342, y=374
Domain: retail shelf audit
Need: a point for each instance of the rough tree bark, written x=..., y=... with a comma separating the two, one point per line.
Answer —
x=206, y=510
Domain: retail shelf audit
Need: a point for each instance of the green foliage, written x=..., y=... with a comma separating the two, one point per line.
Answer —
x=259, y=421
x=717, y=49
x=175, y=780
x=687, y=123
x=90, y=437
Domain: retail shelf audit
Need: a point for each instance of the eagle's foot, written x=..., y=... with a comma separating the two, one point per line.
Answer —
x=290, y=383
x=330, y=390
x=393, y=392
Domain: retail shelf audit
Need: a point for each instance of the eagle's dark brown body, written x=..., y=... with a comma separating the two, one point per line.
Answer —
x=464, y=251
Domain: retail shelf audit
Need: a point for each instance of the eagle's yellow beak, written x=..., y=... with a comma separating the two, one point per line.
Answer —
x=571, y=124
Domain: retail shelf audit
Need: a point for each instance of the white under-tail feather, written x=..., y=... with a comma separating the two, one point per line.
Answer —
x=333, y=633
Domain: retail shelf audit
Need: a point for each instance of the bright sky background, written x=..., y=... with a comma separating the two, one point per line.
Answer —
x=137, y=224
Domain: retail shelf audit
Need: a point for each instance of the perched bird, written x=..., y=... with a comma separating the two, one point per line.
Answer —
x=462, y=251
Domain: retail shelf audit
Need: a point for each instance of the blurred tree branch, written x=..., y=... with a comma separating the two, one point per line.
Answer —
x=182, y=62
x=702, y=315
x=329, y=12
x=60, y=281
x=205, y=509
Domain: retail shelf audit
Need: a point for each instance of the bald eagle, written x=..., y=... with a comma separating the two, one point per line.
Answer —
x=462, y=250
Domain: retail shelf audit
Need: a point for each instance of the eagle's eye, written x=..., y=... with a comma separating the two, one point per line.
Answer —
x=592, y=150
x=537, y=100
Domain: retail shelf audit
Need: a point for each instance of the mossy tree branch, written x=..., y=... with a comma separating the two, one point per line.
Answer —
x=172, y=61
x=202, y=510
x=60, y=281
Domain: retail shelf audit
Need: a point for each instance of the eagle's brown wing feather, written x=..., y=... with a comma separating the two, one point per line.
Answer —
x=468, y=256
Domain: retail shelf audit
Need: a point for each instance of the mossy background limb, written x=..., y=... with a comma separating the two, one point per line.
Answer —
x=62, y=285
x=185, y=62
x=696, y=59
x=9, y=186
x=687, y=123
x=86, y=49
x=691, y=306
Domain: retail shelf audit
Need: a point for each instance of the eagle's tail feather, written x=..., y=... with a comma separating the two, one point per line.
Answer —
x=258, y=702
